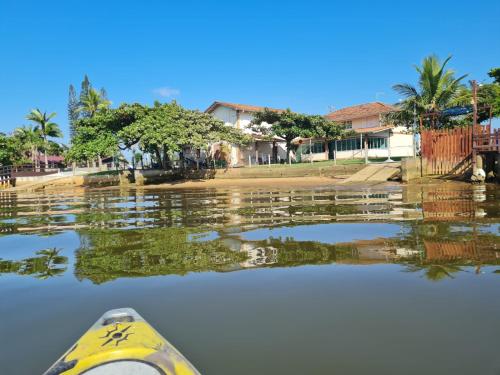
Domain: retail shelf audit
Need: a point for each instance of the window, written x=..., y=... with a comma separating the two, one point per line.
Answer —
x=348, y=124
x=377, y=142
x=317, y=148
x=349, y=144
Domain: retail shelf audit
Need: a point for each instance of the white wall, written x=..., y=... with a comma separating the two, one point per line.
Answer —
x=401, y=145
x=366, y=122
x=240, y=155
x=230, y=118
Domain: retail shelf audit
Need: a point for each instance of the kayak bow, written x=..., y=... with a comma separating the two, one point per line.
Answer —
x=122, y=342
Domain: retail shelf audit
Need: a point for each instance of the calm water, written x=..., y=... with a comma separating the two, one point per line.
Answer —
x=385, y=280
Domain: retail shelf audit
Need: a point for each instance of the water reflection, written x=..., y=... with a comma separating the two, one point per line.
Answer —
x=215, y=208
x=47, y=263
x=148, y=233
x=106, y=255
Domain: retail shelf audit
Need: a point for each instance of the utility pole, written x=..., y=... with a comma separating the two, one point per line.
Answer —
x=414, y=129
x=474, y=123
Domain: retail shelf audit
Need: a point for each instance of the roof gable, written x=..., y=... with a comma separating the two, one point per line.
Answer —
x=239, y=107
x=360, y=111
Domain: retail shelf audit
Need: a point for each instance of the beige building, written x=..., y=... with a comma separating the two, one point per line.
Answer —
x=260, y=151
x=373, y=137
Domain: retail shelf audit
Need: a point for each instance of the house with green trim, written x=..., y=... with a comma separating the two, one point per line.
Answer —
x=372, y=137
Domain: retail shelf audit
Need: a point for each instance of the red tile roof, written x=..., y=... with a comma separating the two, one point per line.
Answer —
x=241, y=107
x=360, y=111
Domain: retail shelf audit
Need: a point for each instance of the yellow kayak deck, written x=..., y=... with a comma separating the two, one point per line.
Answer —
x=122, y=342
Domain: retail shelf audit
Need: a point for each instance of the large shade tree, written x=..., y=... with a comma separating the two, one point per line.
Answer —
x=167, y=128
x=289, y=125
x=159, y=130
x=46, y=126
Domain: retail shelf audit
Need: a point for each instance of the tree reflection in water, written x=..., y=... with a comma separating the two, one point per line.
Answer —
x=47, y=264
x=109, y=254
x=106, y=255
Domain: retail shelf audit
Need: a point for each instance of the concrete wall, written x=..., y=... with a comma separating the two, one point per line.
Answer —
x=411, y=169
x=287, y=171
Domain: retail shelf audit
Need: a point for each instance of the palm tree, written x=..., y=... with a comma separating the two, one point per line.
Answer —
x=93, y=102
x=437, y=89
x=45, y=126
x=31, y=139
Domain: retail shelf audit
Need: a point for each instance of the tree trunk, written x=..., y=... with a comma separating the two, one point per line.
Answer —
x=166, y=163
x=46, y=159
x=288, y=149
x=158, y=157
x=37, y=160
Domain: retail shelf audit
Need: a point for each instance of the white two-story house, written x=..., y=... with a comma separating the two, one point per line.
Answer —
x=260, y=151
x=372, y=137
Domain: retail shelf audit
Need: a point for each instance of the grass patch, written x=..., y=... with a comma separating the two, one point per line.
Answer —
x=323, y=164
x=105, y=173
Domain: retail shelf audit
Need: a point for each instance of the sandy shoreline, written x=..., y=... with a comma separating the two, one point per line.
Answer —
x=280, y=182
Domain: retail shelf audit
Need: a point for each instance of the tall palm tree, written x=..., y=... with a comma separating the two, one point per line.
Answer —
x=31, y=139
x=46, y=126
x=437, y=89
x=93, y=102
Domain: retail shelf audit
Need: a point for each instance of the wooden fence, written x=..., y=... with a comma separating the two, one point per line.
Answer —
x=450, y=151
x=486, y=140
x=447, y=151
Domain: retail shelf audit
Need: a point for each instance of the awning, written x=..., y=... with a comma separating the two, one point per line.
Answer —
x=373, y=129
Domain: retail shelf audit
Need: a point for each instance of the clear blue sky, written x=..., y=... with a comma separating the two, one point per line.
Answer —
x=305, y=55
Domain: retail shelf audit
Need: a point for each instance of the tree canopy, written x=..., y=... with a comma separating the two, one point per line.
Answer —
x=46, y=128
x=437, y=89
x=495, y=74
x=289, y=125
x=160, y=130
x=92, y=102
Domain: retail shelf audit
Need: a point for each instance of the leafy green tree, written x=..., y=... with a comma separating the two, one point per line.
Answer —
x=327, y=129
x=495, y=74
x=92, y=140
x=284, y=124
x=290, y=125
x=54, y=148
x=488, y=98
x=12, y=151
x=437, y=89
x=46, y=126
x=30, y=141
x=167, y=128
x=160, y=130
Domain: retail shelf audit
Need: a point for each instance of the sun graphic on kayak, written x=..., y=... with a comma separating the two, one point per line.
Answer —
x=116, y=335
